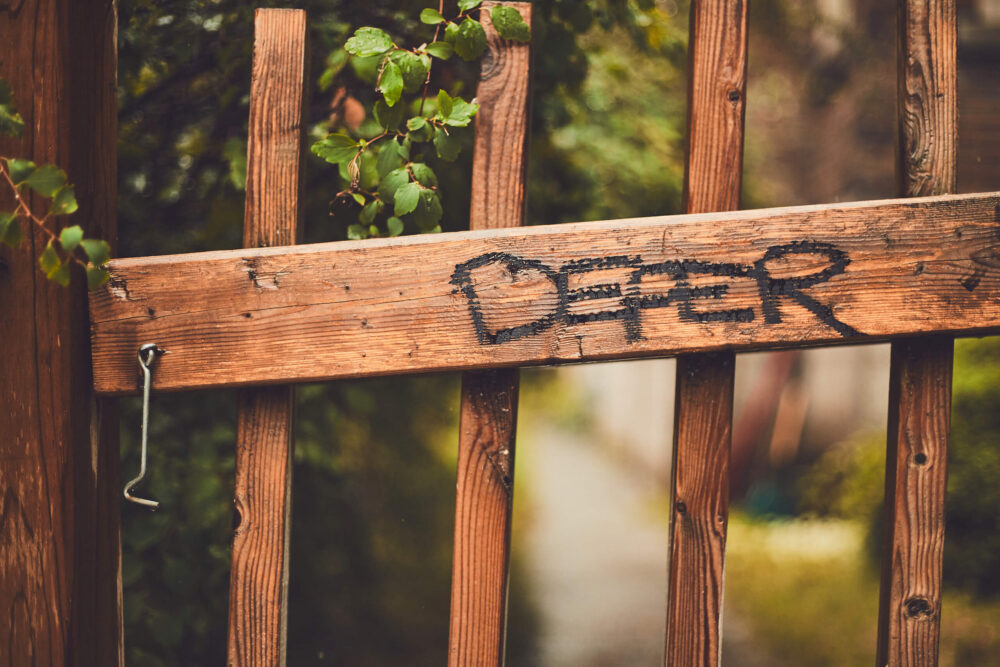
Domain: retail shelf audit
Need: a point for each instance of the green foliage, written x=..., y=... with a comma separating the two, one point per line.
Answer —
x=47, y=181
x=509, y=23
x=394, y=189
x=11, y=122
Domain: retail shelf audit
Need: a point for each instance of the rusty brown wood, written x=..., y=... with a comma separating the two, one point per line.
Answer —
x=717, y=57
x=492, y=298
x=484, y=496
x=60, y=493
x=920, y=370
x=258, y=589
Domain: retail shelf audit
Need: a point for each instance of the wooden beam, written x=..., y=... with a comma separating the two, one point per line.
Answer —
x=60, y=493
x=771, y=278
x=703, y=413
x=485, y=488
x=258, y=589
x=920, y=370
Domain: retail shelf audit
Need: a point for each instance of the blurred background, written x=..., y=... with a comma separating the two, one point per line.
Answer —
x=375, y=460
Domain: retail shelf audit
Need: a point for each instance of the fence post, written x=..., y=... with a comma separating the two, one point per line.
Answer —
x=920, y=369
x=60, y=554
x=703, y=413
x=258, y=588
x=485, y=485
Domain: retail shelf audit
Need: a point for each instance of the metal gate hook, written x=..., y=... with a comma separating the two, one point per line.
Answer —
x=147, y=354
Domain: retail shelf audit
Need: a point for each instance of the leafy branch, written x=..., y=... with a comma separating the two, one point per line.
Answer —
x=49, y=181
x=386, y=173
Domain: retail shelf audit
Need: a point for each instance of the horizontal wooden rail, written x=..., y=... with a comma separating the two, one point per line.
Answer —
x=580, y=292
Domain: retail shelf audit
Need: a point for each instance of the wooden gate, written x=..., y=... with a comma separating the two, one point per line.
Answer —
x=700, y=286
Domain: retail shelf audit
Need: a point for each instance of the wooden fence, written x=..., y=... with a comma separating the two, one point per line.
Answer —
x=701, y=286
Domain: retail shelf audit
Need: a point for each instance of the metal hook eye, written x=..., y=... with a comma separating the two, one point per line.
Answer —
x=147, y=355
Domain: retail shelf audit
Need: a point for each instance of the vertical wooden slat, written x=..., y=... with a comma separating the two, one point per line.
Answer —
x=60, y=499
x=485, y=486
x=920, y=369
x=258, y=589
x=717, y=62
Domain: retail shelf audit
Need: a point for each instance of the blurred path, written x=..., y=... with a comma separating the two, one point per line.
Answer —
x=596, y=555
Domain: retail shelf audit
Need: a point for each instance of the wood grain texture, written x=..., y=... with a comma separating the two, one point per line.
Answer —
x=258, y=589
x=915, y=266
x=919, y=420
x=717, y=60
x=482, y=517
x=700, y=513
x=484, y=496
x=717, y=75
x=920, y=370
x=60, y=580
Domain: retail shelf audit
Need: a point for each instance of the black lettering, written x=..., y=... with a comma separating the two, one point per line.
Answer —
x=773, y=288
x=462, y=279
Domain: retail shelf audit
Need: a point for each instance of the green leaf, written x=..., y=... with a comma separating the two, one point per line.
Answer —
x=431, y=16
x=391, y=182
x=428, y=212
x=49, y=260
x=97, y=250
x=391, y=82
x=20, y=170
x=70, y=237
x=442, y=50
x=96, y=276
x=509, y=24
x=368, y=177
x=368, y=213
x=46, y=180
x=447, y=145
x=424, y=174
x=471, y=40
x=416, y=123
x=462, y=113
x=235, y=153
x=451, y=33
x=368, y=42
x=373, y=230
x=64, y=202
x=422, y=133
x=356, y=232
x=388, y=117
x=336, y=148
x=10, y=229
x=445, y=103
x=334, y=64
x=407, y=197
x=11, y=122
x=395, y=226
x=60, y=275
x=388, y=158
x=358, y=197
x=414, y=68
x=466, y=5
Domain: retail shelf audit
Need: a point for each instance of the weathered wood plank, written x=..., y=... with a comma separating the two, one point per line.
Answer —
x=919, y=420
x=700, y=513
x=920, y=370
x=484, y=496
x=703, y=414
x=258, y=589
x=580, y=292
x=60, y=493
